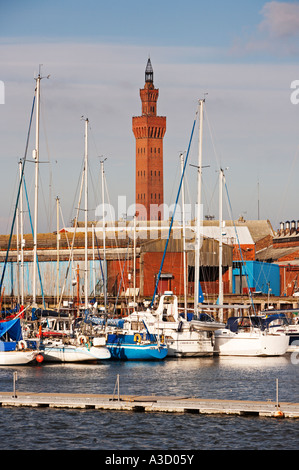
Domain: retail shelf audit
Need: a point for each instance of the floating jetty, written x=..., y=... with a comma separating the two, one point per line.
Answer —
x=153, y=403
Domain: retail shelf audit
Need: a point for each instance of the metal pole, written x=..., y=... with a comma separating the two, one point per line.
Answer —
x=36, y=158
x=86, y=216
x=57, y=241
x=220, y=245
x=15, y=378
x=197, y=244
x=184, y=239
x=134, y=263
x=104, y=235
x=22, y=235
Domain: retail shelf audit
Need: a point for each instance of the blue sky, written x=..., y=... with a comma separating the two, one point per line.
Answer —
x=243, y=54
x=160, y=23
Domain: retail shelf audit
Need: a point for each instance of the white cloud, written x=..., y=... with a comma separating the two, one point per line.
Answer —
x=280, y=19
x=276, y=36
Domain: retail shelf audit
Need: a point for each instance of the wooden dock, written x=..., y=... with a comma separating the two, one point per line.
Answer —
x=154, y=404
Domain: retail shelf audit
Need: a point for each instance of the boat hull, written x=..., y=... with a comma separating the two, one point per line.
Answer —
x=69, y=353
x=123, y=347
x=228, y=343
x=17, y=358
x=137, y=353
x=186, y=342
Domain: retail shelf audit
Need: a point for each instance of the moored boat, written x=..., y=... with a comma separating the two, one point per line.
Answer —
x=133, y=347
x=60, y=350
x=14, y=350
x=184, y=338
x=249, y=336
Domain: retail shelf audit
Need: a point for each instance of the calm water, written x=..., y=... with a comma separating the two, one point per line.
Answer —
x=231, y=378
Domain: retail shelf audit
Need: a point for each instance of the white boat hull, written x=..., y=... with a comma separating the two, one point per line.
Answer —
x=189, y=348
x=187, y=343
x=16, y=358
x=253, y=343
x=72, y=353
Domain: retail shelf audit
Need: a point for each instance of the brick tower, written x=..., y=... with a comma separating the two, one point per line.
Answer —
x=149, y=130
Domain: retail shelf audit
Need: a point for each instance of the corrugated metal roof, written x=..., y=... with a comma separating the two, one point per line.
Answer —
x=230, y=235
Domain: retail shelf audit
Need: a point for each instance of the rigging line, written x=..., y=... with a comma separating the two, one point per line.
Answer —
x=77, y=190
x=172, y=218
x=43, y=116
x=64, y=226
x=98, y=250
x=122, y=277
x=239, y=245
x=18, y=196
x=212, y=138
x=73, y=240
x=114, y=236
x=32, y=231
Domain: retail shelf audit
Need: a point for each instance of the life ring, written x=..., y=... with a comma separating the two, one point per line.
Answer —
x=22, y=344
x=137, y=338
x=82, y=339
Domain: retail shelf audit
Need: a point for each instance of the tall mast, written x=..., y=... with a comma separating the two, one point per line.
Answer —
x=86, y=214
x=57, y=249
x=36, y=158
x=134, y=262
x=197, y=233
x=104, y=234
x=184, y=238
x=22, y=235
x=221, y=176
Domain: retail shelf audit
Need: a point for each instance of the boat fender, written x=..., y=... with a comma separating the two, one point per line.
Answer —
x=22, y=344
x=162, y=338
x=137, y=338
x=279, y=414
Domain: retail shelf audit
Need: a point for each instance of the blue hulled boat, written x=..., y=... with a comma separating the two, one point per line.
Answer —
x=139, y=346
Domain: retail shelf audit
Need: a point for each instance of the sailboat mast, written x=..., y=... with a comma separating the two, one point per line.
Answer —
x=221, y=176
x=104, y=234
x=184, y=238
x=198, y=215
x=36, y=158
x=57, y=248
x=86, y=214
x=22, y=234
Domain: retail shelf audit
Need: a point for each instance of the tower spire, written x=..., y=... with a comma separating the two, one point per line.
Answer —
x=149, y=73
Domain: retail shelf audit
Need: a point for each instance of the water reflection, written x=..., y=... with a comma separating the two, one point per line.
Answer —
x=221, y=377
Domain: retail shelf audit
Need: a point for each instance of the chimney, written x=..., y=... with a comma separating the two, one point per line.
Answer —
x=293, y=227
x=287, y=229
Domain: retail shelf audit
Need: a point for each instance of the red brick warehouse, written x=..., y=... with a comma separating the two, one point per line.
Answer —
x=149, y=130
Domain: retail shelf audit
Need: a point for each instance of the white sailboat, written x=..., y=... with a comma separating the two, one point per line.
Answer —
x=81, y=349
x=69, y=348
x=14, y=350
x=244, y=335
x=248, y=336
x=179, y=334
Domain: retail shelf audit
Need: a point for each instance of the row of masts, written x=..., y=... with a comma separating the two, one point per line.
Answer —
x=198, y=218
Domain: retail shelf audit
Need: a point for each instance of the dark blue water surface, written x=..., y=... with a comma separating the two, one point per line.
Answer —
x=230, y=378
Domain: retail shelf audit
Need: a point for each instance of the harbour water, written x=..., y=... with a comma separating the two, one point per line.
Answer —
x=227, y=377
